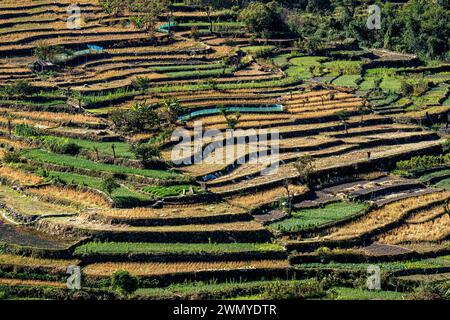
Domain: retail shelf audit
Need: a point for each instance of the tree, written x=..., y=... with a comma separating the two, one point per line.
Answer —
x=142, y=84
x=343, y=115
x=149, y=11
x=208, y=7
x=114, y=7
x=20, y=89
x=109, y=185
x=124, y=282
x=305, y=167
x=287, y=183
x=146, y=152
x=362, y=109
x=259, y=17
x=139, y=118
x=232, y=120
x=145, y=12
x=172, y=108
x=46, y=52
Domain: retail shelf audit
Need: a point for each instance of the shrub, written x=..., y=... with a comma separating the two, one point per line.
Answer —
x=19, y=88
x=146, y=152
x=60, y=145
x=124, y=282
x=281, y=290
x=423, y=162
x=109, y=185
x=11, y=157
x=141, y=84
x=431, y=291
x=25, y=130
x=259, y=17
x=137, y=119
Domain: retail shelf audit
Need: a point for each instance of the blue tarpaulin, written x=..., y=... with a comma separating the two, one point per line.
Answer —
x=95, y=48
x=242, y=109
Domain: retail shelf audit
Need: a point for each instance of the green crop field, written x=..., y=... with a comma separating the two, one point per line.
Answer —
x=78, y=162
x=126, y=248
x=309, y=218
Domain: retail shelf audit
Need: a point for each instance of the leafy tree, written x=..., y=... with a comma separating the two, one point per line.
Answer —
x=46, y=52
x=259, y=17
x=142, y=84
x=343, y=115
x=146, y=152
x=305, y=167
x=207, y=6
x=20, y=89
x=232, y=120
x=172, y=108
x=124, y=282
x=139, y=118
x=109, y=185
x=12, y=156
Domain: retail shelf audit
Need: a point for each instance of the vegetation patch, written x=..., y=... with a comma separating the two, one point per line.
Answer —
x=310, y=218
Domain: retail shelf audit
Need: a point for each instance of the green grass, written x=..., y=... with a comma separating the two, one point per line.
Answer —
x=186, y=67
x=92, y=182
x=347, y=81
x=223, y=289
x=367, y=84
x=255, y=49
x=310, y=218
x=446, y=102
x=361, y=294
x=300, y=66
x=431, y=97
x=444, y=184
x=443, y=261
x=77, y=162
x=348, y=67
x=200, y=73
x=308, y=61
x=122, y=149
x=163, y=191
x=391, y=84
x=428, y=176
x=33, y=103
x=130, y=247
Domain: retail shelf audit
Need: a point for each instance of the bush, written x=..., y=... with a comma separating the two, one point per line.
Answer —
x=137, y=119
x=281, y=290
x=124, y=282
x=109, y=185
x=146, y=152
x=11, y=157
x=25, y=130
x=431, y=291
x=423, y=162
x=19, y=88
x=60, y=145
x=259, y=17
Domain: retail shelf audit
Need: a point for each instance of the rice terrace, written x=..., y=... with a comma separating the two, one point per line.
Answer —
x=233, y=149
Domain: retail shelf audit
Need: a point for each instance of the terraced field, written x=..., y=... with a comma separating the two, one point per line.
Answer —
x=89, y=178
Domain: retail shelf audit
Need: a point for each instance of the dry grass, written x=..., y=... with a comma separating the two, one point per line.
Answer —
x=53, y=117
x=433, y=230
x=387, y=214
x=20, y=177
x=9, y=259
x=32, y=283
x=149, y=269
x=84, y=198
x=183, y=211
x=267, y=196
